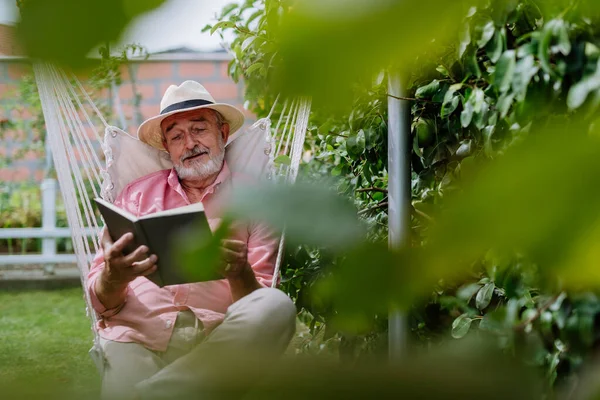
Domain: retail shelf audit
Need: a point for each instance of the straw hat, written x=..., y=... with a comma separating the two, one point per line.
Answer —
x=190, y=95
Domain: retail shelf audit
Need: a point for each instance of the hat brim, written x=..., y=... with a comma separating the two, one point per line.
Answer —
x=150, y=132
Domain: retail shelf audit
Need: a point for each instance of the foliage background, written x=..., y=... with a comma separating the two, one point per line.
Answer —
x=514, y=65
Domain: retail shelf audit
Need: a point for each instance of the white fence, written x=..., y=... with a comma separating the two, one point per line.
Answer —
x=48, y=233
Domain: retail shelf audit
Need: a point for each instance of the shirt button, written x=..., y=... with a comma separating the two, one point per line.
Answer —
x=168, y=324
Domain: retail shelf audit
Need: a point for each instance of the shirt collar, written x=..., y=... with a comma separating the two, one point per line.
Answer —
x=173, y=181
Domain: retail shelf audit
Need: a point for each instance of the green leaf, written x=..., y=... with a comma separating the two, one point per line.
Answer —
x=487, y=32
x=283, y=160
x=227, y=9
x=525, y=70
x=460, y=326
x=450, y=100
x=254, y=67
x=564, y=44
x=337, y=170
x=356, y=143
x=505, y=70
x=247, y=42
x=484, y=296
x=466, y=116
x=466, y=292
x=464, y=40
x=495, y=47
x=470, y=62
x=504, y=103
x=580, y=91
x=427, y=91
x=222, y=25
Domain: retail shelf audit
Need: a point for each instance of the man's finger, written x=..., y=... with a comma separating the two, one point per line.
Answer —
x=232, y=256
x=236, y=245
x=138, y=254
x=140, y=268
x=105, y=239
x=121, y=243
x=150, y=270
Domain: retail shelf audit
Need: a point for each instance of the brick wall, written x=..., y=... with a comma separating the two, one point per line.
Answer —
x=152, y=77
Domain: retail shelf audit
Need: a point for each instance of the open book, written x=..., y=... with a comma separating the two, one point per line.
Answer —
x=159, y=231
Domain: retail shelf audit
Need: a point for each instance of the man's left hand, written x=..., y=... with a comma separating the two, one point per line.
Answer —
x=235, y=258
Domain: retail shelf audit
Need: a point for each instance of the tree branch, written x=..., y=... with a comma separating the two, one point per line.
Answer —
x=372, y=189
x=373, y=208
x=538, y=314
x=411, y=99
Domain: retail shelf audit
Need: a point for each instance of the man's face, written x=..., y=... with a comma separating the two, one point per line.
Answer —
x=195, y=142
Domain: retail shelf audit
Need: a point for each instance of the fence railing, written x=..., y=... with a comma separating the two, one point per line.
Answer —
x=49, y=232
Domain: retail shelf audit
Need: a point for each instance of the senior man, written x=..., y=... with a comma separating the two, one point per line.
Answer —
x=161, y=342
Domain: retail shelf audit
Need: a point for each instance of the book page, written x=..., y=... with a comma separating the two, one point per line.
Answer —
x=116, y=209
x=191, y=208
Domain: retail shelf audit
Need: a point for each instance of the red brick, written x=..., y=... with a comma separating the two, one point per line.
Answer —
x=154, y=70
x=32, y=155
x=14, y=174
x=224, y=69
x=124, y=70
x=196, y=70
x=16, y=135
x=222, y=91
x=165, y=85
x=17, y=70
x=38, y=175
x=149, y=110
x=7, y=90
x=147, y=91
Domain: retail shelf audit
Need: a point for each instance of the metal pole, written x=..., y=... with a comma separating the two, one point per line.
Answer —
x=399, y=197
x=49, y=221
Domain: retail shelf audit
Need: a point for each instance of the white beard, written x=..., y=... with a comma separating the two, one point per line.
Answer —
x=199, y=169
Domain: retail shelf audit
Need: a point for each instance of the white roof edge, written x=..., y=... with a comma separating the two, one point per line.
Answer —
x=209, y=56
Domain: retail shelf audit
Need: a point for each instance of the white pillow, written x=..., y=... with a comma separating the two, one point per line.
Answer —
x=248, y=152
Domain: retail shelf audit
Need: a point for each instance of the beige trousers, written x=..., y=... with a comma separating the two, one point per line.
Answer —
x=255, y=331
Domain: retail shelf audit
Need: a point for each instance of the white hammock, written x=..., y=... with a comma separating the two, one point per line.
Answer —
x=72, y=121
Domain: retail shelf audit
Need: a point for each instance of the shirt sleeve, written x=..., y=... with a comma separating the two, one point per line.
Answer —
x=96, y=267
x=263, y=245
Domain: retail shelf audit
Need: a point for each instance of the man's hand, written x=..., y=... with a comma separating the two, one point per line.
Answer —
x=237, y=270
x=120, y=269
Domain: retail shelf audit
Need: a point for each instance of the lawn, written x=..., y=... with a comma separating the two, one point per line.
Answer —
x=44, y=341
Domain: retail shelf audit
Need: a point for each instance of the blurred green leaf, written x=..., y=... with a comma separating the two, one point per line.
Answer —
x=466, y=292
x=309, y=214
x=580, y=91
x=254, y=67
x=548, y=213
x=65, y=31
x=283, y=159
x=199, y=253
x=487, y=32
x=327, y=46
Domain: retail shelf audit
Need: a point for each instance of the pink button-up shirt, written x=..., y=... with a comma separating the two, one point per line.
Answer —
x=148, y=314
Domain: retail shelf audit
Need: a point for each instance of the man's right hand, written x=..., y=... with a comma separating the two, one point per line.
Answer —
x=120, y=269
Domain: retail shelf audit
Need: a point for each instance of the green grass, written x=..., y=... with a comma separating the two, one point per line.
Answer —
x=44, y=341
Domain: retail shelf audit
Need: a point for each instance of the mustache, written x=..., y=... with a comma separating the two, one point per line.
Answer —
x=194, y=152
